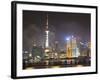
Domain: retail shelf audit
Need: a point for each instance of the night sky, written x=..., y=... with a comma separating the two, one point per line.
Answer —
x=61, y=25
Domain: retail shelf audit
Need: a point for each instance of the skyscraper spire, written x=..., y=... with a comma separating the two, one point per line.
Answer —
x=47, y=22
x=47, y=33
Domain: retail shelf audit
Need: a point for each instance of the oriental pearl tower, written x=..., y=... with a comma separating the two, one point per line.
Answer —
x=47, y=36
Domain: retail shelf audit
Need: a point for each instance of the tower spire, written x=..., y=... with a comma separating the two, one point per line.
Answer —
x=47, y=22
x=47, y=33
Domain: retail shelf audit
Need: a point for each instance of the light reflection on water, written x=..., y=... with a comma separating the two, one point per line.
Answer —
x=79, y=66
x=29, y=68
x=55, y=67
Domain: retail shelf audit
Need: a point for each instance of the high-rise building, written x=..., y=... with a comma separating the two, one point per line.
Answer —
x=47, y=47
x=37, y=52
x=69, y=48
x=72, y=49
x=47, y=34
x=89, y=49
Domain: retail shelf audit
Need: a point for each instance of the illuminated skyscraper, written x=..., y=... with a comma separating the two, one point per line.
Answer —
x=69, y=48
x=72, y=49
x=47, y=34
x=89, y=48
x=47, y=47
x=75, y=49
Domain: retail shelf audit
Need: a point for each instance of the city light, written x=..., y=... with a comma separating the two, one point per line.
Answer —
x=47, y=39
x=68, y=38
x=81, y=43
x=51, y=50
x=72, y=36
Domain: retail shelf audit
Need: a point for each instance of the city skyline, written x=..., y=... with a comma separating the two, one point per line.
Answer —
x=61, y=26
x=52, y=39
